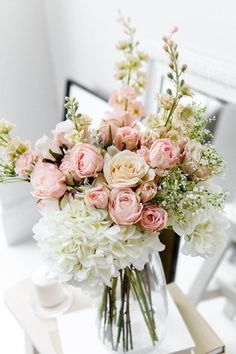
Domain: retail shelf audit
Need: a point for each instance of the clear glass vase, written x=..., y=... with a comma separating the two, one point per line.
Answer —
x=133, y=311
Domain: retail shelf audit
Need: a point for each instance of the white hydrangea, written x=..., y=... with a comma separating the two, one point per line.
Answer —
x=208, y=234
x=84, y=248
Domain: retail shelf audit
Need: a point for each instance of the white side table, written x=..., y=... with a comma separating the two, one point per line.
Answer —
x=42, y=335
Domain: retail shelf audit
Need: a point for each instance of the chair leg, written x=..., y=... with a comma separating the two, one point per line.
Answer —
x=29, y=347
x=205, y=274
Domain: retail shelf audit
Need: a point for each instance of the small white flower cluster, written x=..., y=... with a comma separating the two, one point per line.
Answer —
x=82, y=246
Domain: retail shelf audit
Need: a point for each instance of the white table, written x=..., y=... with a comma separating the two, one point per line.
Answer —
x=42, y=335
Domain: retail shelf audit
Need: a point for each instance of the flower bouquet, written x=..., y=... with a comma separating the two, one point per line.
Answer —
x=106, y=194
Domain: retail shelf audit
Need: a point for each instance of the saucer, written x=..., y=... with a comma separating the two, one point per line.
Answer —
x=55, y=311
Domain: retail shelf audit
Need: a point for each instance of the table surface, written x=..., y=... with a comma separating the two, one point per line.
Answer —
x=44, y=333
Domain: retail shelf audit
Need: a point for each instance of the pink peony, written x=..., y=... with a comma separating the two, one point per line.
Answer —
x=126, y=138
x=154, y=218
x=24, y=164
x=119, y=97
x=97, y=197
x=144, y=152
x=85, y=160
x=163, y=154
x=124, y=206
x=147, y=191
x=47, y=181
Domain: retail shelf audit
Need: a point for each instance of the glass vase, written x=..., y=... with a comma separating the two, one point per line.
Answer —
x=133, y=311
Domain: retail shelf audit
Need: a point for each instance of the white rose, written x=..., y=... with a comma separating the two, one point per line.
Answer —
x=62, y=132
x=44, y=144
x=125, y=169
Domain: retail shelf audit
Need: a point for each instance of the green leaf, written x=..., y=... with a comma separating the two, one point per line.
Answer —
x=169, y=91
x=56, y=156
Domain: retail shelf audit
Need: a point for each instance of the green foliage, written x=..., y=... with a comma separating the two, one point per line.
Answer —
x=200, y=131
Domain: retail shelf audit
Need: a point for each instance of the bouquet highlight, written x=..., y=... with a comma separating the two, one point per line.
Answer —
x=105, y=195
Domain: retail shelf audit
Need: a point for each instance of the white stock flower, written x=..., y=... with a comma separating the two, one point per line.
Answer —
x=62, y=132
x=83, y=248
x=44, y=144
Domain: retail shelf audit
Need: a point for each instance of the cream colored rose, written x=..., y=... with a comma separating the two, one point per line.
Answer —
x=193, y=164
x=125, y=169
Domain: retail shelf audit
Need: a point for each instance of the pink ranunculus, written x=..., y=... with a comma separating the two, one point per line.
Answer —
x=118, y=98
x=85, y=160
x=144, y=152
x=24, y=164
x=124, y=206
x=136, y=109
x=126, y=138
x=47, y=181
x=164, y=154
x=147, y=191
x=97, y=197
x=154, y=218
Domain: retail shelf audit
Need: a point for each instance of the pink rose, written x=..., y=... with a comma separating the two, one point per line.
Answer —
x=97, y=197
x=154, y=218
x=124, y=206
x=136, y=109
x=24, y=164
x=163, y=154
x=147, y=191
x=85, y=160
x=126, y=138
x=47, y=181
x=118, y=98
x=144, y=152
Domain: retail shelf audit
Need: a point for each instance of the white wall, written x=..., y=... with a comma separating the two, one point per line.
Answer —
x=83, y=33
x=27, y=96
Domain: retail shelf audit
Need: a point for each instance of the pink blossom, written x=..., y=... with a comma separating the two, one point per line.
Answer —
x=124, y=206
x=163, y=154
x=144, y=152
x=47, y=181
x=97, y=197
x=136, y=109
x=85, y=160
x=154, y=218
x=24, y=164
x=119, y=97
x=147, y=191
x=126, y=138
x=67, y=170
x=111, y=122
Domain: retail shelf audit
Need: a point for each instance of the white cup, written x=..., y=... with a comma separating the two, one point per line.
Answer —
x=49, y=292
